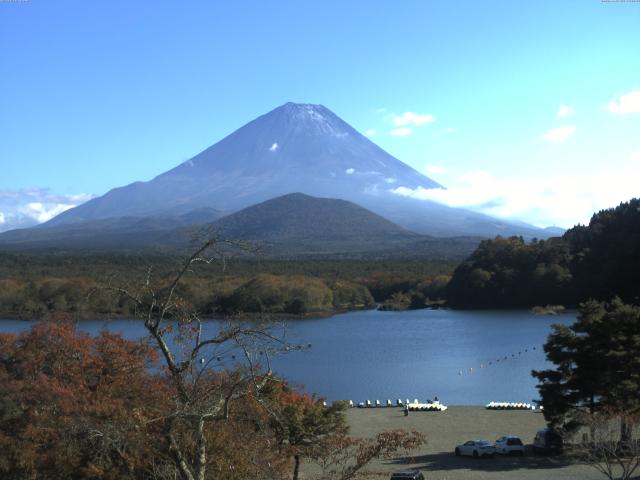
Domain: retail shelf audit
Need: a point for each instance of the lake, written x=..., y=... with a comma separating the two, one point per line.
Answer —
x=463, y=357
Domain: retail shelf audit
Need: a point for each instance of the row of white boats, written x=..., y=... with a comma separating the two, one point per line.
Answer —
x=430, y=406
x=511, y=406
x=436, y=406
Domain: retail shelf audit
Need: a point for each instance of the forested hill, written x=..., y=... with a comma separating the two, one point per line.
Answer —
x=598, y=261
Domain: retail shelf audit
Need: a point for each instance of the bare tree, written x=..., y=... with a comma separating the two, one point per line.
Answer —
x=341, y=457
x=207, y=370
x=612, y=444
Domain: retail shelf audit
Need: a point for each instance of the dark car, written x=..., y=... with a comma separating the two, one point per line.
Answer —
x=547, y=441
x=407, y=475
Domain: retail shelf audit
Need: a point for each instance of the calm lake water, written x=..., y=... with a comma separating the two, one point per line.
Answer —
x=458, y=356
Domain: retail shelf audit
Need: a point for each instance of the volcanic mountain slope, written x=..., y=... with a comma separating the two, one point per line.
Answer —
x=300, y=217
x=294, y=148
x=299, y=225
x=113, y=233
x=290, y=226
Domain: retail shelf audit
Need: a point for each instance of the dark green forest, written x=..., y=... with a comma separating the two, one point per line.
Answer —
x=38, y=286
x=597, y=261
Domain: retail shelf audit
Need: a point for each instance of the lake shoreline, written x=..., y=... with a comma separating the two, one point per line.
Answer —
x=244, y=316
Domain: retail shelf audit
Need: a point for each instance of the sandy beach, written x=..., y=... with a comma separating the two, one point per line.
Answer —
x=446, y=430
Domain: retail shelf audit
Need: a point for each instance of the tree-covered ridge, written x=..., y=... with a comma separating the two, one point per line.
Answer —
x=595, y=261
x=38, y=286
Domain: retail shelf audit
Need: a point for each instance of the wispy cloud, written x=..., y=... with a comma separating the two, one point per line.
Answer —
x=28, y=207
x=274, y=147
x=371, y=132
x=401, y=132
x=350, y=171
x=629, y=103
x=560, y=134
x=565, y=111
x=544, y=201
x=410, y=118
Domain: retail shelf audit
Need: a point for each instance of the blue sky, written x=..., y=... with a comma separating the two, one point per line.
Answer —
x=527, y=110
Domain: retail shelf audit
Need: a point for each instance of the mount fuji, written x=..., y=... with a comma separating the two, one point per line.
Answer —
x=294, y=148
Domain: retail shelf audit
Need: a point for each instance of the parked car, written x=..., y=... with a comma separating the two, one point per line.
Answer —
x=476, y=448
x=509, y=445
x=547, y=441
x=407, y=475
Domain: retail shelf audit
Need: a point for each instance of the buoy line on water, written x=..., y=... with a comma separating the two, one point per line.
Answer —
x=501, y=358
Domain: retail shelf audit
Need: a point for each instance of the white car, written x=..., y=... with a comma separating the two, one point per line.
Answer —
x=476, y=448
x=509, y=445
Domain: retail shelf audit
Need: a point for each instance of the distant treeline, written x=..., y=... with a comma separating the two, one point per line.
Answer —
x=598, y=261
x=37, y=286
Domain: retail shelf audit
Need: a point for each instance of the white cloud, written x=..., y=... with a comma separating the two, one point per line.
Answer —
x=560, y=134
x=43, y=213
x=371, y=132
x=24, y=208
x=410, y=118
x=1, y=218
x=565, y=111
x=401, y=132
x=433, y=169
x=350, y=171
x=390, y=180
x=274, y=147
x=629, y=103
x=544, y=201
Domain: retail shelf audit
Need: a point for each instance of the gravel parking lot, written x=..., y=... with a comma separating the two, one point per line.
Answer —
x=458, y=424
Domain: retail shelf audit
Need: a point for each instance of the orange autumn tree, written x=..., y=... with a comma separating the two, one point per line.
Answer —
x=75, y=406
x=301, y=421
x=307, y=429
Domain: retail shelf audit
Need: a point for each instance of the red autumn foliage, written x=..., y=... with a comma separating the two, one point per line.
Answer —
x=75, y=406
